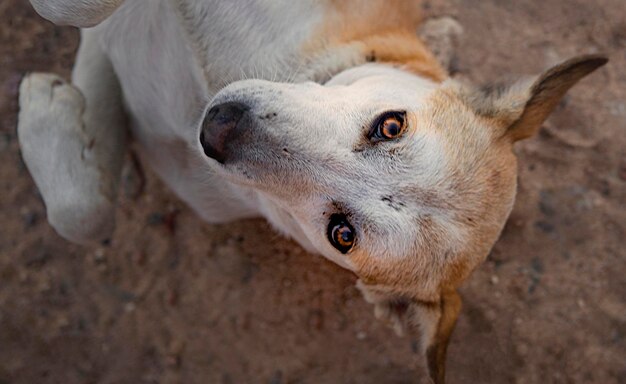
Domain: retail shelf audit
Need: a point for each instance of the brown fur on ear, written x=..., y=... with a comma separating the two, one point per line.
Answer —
x=547, y=91
x=520, y=108
x=432, y=322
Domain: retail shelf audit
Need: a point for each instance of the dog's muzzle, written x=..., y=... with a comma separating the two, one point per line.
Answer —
x=220, y=125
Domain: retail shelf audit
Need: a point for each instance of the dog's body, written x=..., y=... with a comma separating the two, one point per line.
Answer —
x=416, y=207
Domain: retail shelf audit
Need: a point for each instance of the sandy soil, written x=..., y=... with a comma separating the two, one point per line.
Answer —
x=174, y=300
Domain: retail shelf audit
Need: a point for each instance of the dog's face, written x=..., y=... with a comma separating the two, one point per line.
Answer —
x=383, y=172
x=404, y=181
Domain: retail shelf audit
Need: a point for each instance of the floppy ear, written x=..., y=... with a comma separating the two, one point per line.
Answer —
x=522, y=107
x=432, y=322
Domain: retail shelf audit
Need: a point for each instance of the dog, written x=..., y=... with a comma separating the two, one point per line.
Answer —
x=331, y=119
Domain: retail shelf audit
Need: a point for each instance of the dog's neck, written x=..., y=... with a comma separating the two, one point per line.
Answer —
x=326, y=52
x=397, y=49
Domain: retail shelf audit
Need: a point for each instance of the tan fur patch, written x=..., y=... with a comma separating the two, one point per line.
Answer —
x=477, y=194
x=383, y=31
x=404, y=49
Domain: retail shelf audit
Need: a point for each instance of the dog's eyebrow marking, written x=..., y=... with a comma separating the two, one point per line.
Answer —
x=393, y=203
x=427, y=198
x=267, y=116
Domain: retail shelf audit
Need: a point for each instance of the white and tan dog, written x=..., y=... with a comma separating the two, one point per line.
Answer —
x=330, y=119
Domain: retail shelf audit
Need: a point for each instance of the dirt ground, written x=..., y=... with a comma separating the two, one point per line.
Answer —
x=174, y=300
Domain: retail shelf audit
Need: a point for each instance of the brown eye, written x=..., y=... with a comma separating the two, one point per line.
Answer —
x=389, y=126
x=340, y=233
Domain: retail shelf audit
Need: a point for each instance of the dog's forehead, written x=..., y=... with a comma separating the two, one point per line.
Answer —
x=380, y=84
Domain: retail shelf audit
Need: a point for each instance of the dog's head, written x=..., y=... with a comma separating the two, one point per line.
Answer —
x=404, y=181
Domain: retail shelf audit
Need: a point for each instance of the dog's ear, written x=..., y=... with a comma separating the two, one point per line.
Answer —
x=521, y=107
x=433, y=322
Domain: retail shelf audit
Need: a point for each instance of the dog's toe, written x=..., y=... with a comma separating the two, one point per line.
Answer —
x=40, y=92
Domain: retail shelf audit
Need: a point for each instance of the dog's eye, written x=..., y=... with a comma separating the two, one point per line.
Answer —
x=389, y=126
x=340, y=233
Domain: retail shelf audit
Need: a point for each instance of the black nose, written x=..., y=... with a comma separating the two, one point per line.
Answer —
x=218, y=125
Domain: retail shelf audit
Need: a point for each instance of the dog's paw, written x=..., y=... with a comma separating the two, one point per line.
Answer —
x=50, y=119
x=48, y=103
x=40, y=92
x=387, y=313
x=442, y=35
x=58, y=153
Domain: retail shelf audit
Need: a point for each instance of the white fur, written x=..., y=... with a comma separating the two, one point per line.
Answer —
x=172, y=58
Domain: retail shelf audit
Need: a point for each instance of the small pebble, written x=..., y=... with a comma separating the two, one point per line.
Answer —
x=4, y=142
x=173, y=361
x=316, y=319
x=544, y=226
x=62, y=322
x=141, y=258
x=99, y=255
x=622, y=172
x=361, y=335
x=38, y=258
x=522, y=349
x=23, y=276
x=172, y=298
x=29, y=217
x=277, y=378
x=155, y=218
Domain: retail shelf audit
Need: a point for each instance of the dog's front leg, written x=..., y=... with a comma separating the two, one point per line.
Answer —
x=78, y=13
x=73, y=141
